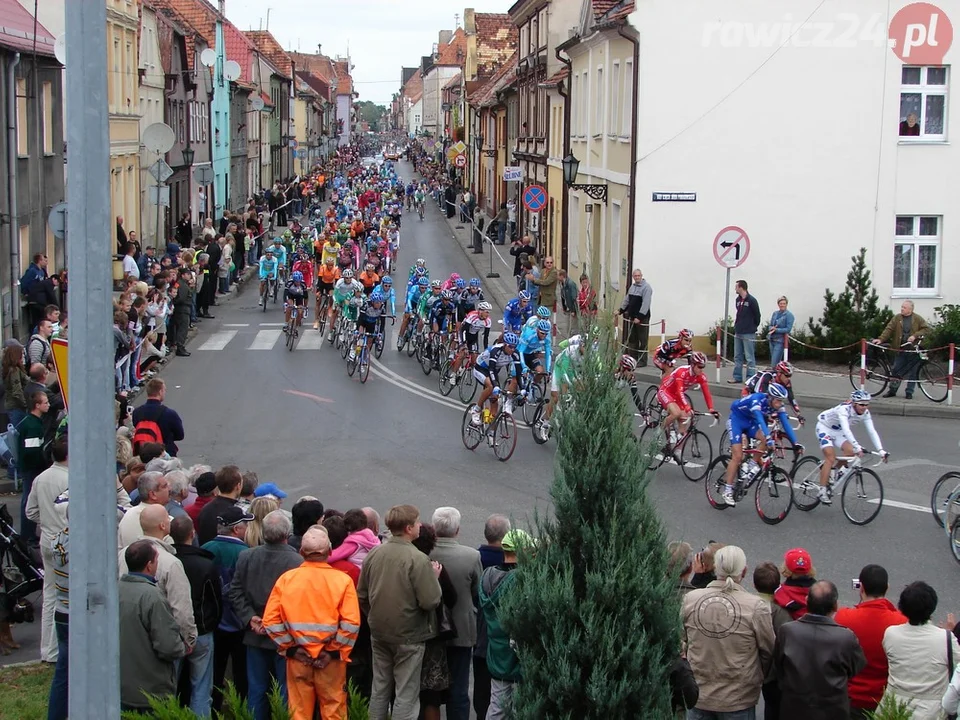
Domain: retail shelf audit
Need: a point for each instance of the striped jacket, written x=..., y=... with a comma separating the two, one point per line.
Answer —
x=313, y=607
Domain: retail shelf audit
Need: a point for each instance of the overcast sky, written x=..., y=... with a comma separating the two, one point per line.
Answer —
x=381, y=35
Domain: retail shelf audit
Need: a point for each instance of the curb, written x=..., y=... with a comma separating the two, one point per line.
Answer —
x=922, y=408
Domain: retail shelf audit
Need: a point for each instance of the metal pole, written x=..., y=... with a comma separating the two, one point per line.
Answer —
x=94, y=618
x=490, y=274
x=726, y=314
x=156, y=239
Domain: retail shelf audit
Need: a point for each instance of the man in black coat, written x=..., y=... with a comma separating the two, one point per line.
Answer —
x=521, y=246
x=184, y=230
x=182, y=305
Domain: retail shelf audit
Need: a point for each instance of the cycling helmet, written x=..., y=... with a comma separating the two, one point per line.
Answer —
x=474, y=282
x=860, y=396
x=419, y=271
x=684, y=334
x=423, y=282
x=485, y=306
x=628, y=363
x=446, y=295
x=329, y=261
x=376, y=296
x=511, y=339
x=543, y=326
x=287, y=234
x=543, y=311
x=454, y=277
x=348, y=274
x=421, y=262
x=296, y=276
x=697, y=358
x=436, y=284
x=523, y=295
x=386, y=280
x=783, y=368
x=776, y=391
x=460, y=283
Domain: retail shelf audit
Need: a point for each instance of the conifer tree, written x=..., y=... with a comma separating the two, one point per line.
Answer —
x=594, y=616
x=856, y=312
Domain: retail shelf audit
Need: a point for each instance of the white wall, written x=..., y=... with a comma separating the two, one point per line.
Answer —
x=799, y=147
x=344, y=112
x=415, y=117
x=432, y=98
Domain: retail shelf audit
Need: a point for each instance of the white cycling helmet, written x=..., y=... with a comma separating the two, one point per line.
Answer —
x=485, y=306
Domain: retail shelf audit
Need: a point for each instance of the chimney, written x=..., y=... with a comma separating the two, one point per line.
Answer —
x=469, y=21
x=445, y=37
x=319, y=49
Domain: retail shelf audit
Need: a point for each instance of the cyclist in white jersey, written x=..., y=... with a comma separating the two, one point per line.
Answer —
x=834, y=432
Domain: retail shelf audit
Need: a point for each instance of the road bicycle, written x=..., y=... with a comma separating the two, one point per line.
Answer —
x=777, y=435
x=347, y=330
x=692, y=451
x=773, y=496
x=465, y=380
x=297, y=313
x=420, y=209
x=536, y=429
x=930, y=375
x=861, y=492
x=435, y=346
x=943, y=490
x=381, y=335
x=361, y=352
x=269, y=288
x=406, y=339
x=322, y=312
x=499, y=429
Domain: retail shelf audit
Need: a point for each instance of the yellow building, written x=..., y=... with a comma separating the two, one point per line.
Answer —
x=601, y=137
x=123, y=95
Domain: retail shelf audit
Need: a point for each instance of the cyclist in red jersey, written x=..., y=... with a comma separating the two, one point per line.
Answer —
x=666, y=356
x=673, y=388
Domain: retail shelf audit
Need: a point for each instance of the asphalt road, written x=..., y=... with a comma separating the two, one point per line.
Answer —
x=298, y=420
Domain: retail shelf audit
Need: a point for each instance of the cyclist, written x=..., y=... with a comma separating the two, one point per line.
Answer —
x=535, y=347
x=344, y=289
x=369, y=278
x=414, y=293
x=268, y=271
x=295, y=293
x=487, y=371
x=440, y=315
x=370, y=318
x=451, y=282
x=330, y=249
x=426, y=303
x=385, y=288
x=569, y=357
x=748, y=417
x=517, y=312
x=672, y=395
x=415, y=272
x=469, y=299
x=469, y=334
x=543, y=313
x=834, y=431
x=780, y=374
x=418, y=198
x=411, y=189
x=624, y=374
x=304, y=266
x=327, y=276
x=666, y=356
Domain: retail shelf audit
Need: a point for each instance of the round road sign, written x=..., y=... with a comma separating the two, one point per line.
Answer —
x=461, y=161
x=535, y=198
x=731, y=247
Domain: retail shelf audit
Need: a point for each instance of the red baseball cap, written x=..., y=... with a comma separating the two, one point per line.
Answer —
x=798, y=561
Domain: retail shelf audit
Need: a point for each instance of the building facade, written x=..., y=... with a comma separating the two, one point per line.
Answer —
x=123, y=92
x=154, y=216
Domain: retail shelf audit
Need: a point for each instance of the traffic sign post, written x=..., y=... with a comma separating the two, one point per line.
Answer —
x=460, y=161
x=731, y=247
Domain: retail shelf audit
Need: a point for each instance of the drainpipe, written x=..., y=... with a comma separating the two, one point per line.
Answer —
x=632, y=221
x=13, y=216
x=565, y=217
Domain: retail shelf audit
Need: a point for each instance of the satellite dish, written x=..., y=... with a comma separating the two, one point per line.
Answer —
x=208, y=57
x=60, y=49
x=256, y=103
x=158, y=137
x=231, y=69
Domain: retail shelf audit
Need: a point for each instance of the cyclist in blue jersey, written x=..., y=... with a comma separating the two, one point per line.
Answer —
x=414, y=293
x=517, y=312
x=748, y=416
x=385, y=288
x=543, y=313
x=419, y=269
x=535, y=349
x=268, y=271
x=490, y=363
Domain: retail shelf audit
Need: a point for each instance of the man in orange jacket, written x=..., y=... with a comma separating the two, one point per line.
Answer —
x=313, y=616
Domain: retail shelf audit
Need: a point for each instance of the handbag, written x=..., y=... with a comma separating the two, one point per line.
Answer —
x=950, y=665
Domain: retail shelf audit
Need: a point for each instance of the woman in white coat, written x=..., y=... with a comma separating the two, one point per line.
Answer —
x=918, y=654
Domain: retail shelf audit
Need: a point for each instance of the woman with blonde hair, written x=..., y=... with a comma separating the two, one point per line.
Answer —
x=259, y=508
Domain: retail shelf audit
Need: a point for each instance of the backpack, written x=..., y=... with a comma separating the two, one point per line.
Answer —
x=147, y=430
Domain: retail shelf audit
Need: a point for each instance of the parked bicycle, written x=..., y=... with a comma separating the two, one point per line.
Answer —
x=860, y=489
x=773, y=496
x=930, y=375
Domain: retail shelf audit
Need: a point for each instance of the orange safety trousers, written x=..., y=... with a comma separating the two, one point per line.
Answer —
x=308, y=687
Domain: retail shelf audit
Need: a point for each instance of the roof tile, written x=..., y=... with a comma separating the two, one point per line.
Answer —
x=453, y=52
x=496, y=41
x=17, y=30
x=486, y=96
x=267, y=44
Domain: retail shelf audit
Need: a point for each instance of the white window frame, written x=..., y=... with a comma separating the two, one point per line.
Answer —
x=23, y=118
x=925, y=90
x=46, y=116
x=599, y=100
x=616, y=100
x=916, y=241
x=585, y=105
x=613, y=249
x=629, y=97
x=204, y=122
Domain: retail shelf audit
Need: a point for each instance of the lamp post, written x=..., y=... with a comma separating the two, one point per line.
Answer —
x=571, y=168
x=187, y=156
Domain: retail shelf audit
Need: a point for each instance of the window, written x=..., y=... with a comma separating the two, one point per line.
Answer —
x=128, y=82
x=584, y=103
x=46, y=95
x=117, y=78
x=181, y=123
x=915, y=253
x=193, y=121
x=613, y=249
x=416, y=119
x=629, y=93
x=23, y=132
x=575, y=105
x=923, y=102
x=524, y=40
x=25, y=258
x=573, y=251
x=599, y=100
x=542, y=28
x=204, y=121
x=216, y=124
x=616, y=100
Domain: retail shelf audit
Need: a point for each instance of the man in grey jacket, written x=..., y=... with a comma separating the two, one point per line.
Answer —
x=463, y=568
x=150, y=641
x=257, y=572
x=635, y=309
x=399, y=592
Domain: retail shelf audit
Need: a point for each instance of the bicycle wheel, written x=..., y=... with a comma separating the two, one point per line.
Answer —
x=955, y=541
x=401, y=340
x=715, y=480
x=364, y=365
x=426, y=359
x=637, y=397
x=651, y=444
x=504, y=436
x=378, y=344
x=696, y=455
x=724, y=447
x=352, y=362
x=862, y=496
x=322, y=319
x=411, y=343
x=945, y=486
x=933, y=381
x=467, y=385
x=471, y=434
x=651, y=408
x=876, y=377
x=264, y=296
x=535, y=396
x=343, y=341
x=806, y=483
x=539, y=437
x=445, y=379
x=774, y=495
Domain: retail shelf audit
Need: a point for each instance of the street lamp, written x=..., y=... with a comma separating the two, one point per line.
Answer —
x=188, y=153
x=571, y=168
x=479, y=141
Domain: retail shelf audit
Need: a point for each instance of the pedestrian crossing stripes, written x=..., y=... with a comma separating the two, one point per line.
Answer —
x=266, y=339
x=219, y=340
